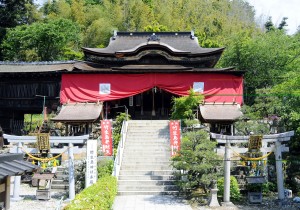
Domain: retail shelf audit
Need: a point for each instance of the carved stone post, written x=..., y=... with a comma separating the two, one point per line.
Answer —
x=279, y=171
x=71, y=172
x=214, y=195
x=17, y=180
x=226, y=196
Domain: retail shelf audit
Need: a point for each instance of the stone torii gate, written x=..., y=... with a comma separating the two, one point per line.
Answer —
x=278, y=148
x=70, y=140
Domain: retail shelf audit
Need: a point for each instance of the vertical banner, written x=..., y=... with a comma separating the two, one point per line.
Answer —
x=174, y=136
x=91, y=163
x=106, y=133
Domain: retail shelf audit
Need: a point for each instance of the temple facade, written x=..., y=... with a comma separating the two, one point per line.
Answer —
x=138, y=72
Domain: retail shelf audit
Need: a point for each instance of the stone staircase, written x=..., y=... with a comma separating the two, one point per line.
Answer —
x=145, y=168
x=61, y=181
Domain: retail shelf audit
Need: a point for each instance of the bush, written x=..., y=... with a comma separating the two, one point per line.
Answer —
x=118, y=127
x=198, y=160
x=234, y=188
x=99, y=196
x=105, y=167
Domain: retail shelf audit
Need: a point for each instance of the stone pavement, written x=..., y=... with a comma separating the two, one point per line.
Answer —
x=150, y=202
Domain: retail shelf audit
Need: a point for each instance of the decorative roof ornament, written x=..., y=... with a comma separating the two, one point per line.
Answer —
x=115, y=35
x=153, y=38
x=192, y=35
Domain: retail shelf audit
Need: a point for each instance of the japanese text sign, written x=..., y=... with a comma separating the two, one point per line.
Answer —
x=255, y=142
x=106, y=137
x=91, y=163
x=174, y=136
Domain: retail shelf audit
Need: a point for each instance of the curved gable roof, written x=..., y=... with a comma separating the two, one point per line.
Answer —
x=176, y=42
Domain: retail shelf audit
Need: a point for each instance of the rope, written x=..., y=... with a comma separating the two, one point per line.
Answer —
x=43, y=159
x=249, y=158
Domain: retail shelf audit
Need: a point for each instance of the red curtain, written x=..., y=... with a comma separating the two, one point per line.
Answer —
x=85, y=87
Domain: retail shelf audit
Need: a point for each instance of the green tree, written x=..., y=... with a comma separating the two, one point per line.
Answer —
x=269, y=25
x=41, y=41
x=14, y=12
x=197, y=160
x=264, y=57
x=183, y=107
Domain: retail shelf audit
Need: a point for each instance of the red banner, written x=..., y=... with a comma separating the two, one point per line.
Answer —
x=105, y=87
x=174, y=136
x=106, y=135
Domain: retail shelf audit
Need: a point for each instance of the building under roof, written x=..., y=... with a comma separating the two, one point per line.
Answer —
x=141, y=71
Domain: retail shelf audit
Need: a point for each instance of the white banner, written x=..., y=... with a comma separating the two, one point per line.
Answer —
x=91, y=163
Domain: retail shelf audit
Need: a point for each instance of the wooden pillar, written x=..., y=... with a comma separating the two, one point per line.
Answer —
x=153, y=102
x=7, y=193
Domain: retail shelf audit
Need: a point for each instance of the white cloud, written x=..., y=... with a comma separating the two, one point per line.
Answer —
x=279, y=9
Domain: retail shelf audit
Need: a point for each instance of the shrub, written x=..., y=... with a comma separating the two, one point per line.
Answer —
x=234, y=188
x=105, y=167
x=99, y=196
x=198, y=161
x=118, y=127
x=183, y=107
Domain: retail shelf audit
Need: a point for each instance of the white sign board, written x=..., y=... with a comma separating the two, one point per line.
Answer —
x=91, y=163
x=104, y=88
x=198, y=87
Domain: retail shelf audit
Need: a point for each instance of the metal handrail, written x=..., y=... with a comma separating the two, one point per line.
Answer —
x=120, y=149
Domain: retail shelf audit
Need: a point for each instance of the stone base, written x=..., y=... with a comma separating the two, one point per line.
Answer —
x=16, y=199
x=229, y=204
x=213, y=198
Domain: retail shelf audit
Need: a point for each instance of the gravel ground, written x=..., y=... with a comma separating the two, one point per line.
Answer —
x=29, y=200
x=269, y=203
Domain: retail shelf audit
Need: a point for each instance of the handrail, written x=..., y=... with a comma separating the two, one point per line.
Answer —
x=119, y=155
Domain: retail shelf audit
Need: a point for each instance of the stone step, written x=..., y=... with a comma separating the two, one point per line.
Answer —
x=146, y=172
x=149, y=162
x=61, y=173
x=59, y=182
x=147, y=188
x=145, y=167
x=149, y=127
x=159, y=149
x=148, y=192
x=146, y=177
x=147, y=143
x=60, y=186
x=147, y=134
x=148, y=122
x=146, y=158
x=146, y=154
x=138, y=183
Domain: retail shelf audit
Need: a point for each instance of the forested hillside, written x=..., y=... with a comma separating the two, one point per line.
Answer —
x=58, y=29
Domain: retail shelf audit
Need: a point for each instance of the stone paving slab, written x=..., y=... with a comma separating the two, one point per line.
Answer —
x=150, y=202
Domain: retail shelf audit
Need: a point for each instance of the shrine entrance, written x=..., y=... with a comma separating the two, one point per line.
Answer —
x=152, y=104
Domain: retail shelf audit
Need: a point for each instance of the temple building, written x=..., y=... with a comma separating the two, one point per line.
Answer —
x=138, y=72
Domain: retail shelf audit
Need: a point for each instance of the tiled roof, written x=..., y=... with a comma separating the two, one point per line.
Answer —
x=26, y=67
x=216, y=112
x=178, y=42
x=79, y=112
x=13, y=165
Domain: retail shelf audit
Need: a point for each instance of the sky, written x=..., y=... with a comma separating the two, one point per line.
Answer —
x=265, y=8
x=278, y=9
